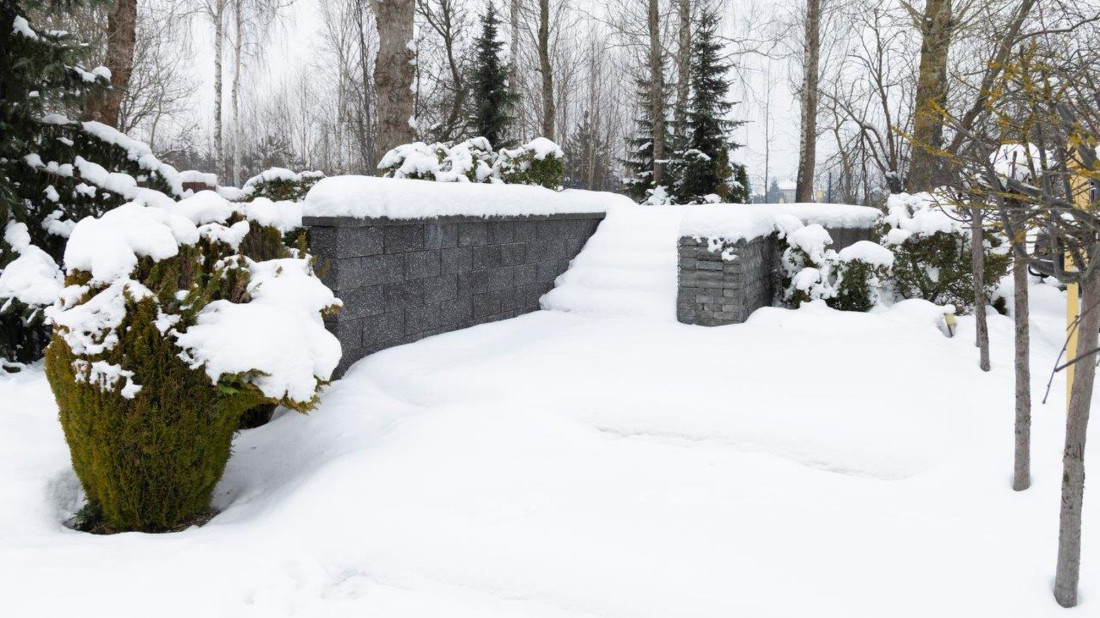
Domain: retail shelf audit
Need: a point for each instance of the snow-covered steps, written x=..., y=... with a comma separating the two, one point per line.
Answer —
x=627, y=269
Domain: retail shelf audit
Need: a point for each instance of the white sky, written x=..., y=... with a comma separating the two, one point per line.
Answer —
x=293, y=46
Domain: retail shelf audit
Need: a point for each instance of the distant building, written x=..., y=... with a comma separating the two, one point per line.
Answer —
x=786, y=190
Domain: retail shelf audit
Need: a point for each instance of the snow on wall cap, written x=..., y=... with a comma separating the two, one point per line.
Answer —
x=869, y=252
x=543, y=147
x=368, y=197
x=734, y=222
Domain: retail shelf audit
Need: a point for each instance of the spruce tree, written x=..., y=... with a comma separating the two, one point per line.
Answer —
x=704, y=169
x=638, y=164
x=493, y=99
x=586, y=157
x=53, y=171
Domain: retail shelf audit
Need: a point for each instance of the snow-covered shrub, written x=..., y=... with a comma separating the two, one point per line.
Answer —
x=931, y=245
x=860, y=272
x=28, y=284
x=539, y=162
x=806, y=265
x=168, y=330
x=279, y=184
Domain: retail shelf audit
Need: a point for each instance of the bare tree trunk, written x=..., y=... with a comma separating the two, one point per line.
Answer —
x=683, y=67
x=1073, y=458
x=931, y=97
x=549, y=112
x=513, y=78
x=394, y=71
x=219, y=36
x=978, y=270
x=121, y=37
x=656, y=91
x=238, y=20
x=366, y=134
x=807, y=146
x=1021, y=475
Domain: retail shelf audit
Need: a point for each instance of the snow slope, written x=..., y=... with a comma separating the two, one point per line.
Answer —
x=806, y=463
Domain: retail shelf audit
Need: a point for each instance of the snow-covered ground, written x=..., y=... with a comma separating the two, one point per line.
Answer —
x=569, y=464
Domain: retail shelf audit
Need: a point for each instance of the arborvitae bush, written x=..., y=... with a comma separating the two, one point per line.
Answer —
x=937, y=268
x=529, y=169
x=856, y=287
x=281, y=185
x=931, y=244
x=148, y=427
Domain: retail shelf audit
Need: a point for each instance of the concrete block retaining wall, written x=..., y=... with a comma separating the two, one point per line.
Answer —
x=724, y=283
x=403, y=280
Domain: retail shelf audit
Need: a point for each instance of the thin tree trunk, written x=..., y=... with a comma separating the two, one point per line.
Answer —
x=121, y=38
x=1073, y=457
x=238, y=20
x=219, y=35
x=1021, y=476
x=513, y=78
x=683, y=67
x=656, y=92
x=367, y=140
x=807, y=146
x=394, y=72
x=931, y=95
x=978, y=271
x=549, y=112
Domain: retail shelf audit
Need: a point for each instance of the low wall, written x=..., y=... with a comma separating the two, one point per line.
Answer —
x=403, y=280
x=723, y=282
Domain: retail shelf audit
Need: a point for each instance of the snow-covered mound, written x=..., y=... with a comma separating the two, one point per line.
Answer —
x=399, y=198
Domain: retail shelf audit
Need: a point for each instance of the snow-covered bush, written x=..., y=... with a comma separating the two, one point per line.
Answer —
x=28, y=284
x=169, y=328
x=931, y=244
x=860, y=272
x=538, y=162
x=851, y=280
x=280, y=184
x=806, y=265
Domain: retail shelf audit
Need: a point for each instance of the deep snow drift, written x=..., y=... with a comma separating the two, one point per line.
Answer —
x=581, y=464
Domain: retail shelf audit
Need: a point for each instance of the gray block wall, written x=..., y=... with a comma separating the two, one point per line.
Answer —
x=403, y=280
x=714, y=291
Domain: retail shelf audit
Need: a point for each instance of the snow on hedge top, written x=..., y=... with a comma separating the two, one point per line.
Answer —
x=919, y=214
x=108, y=247
x=277, y=174
x=33, y=278
x=367, y=197
x=280, y=334
x=543, y=148
x=869, y=252
x=734, y=222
